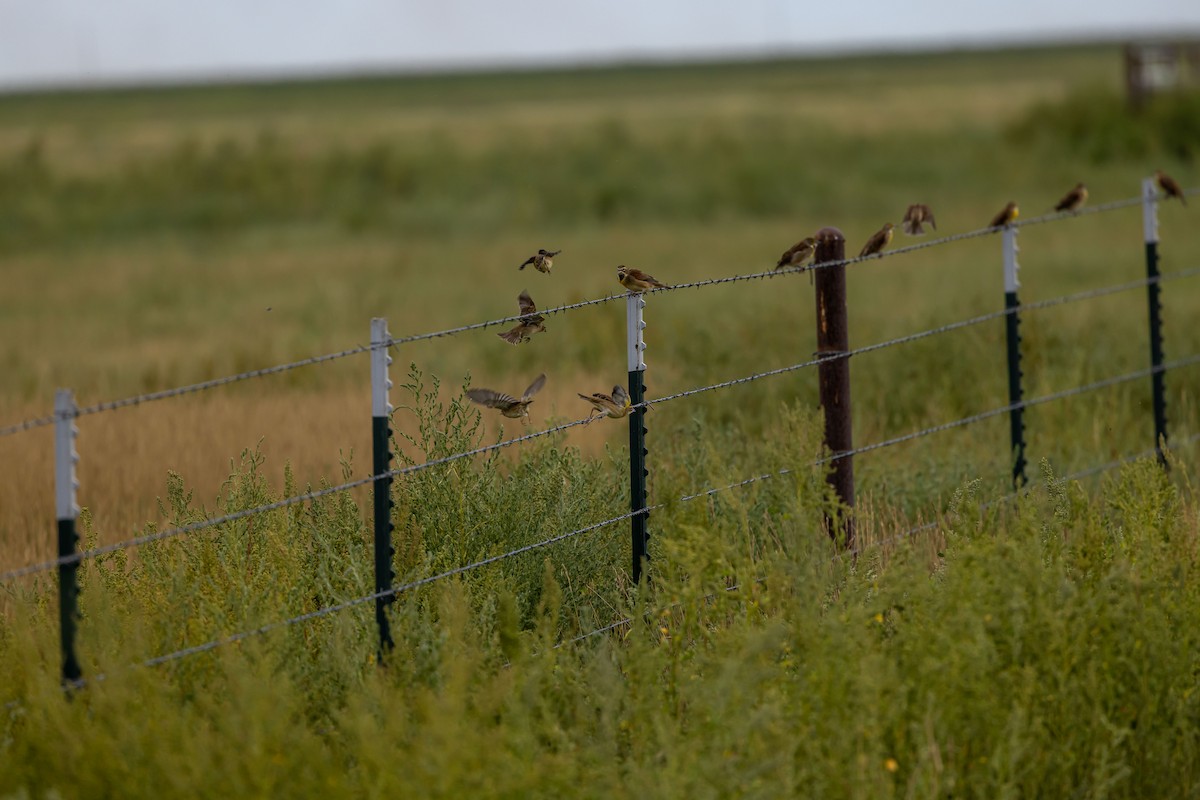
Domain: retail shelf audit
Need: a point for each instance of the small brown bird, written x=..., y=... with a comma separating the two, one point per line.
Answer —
x=615, y=405
x=508, y=405
x=917, y=214
x=1169, y=185
x=542, y=261
x=881, y=239
x=637, y=281
x=800, y=252
x=1074, y=199
x=531, y=322
x=1006, y=216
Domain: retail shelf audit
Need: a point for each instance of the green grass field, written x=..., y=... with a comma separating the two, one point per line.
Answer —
x=157, y=237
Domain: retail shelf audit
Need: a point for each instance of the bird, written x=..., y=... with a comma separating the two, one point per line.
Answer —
x=1074, y=199
x=1169, y=185
x=542, y=261
x=508, y=405
x=1006, y=216
x=798, y=253
x=530, y=323
x=637, y=281
x=917, y=214
x=615, y=405
x=880, y=240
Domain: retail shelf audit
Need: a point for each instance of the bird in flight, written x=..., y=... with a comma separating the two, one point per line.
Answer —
x=1006, y=216
x=637, y=281
x=1074, y=199
x=798, y=253
x=542, y=260
x=1169, y=185
x=506, y=404
x=915, y=217
x=615, y=405
x=881, y=239
x=530, y=323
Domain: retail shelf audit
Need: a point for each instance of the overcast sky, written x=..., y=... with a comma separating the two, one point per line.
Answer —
x=135, y=41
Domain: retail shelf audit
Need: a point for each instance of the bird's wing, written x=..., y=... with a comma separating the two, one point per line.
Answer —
x=535, y=387
x=528, y=261
x=553, y=253
x=1069, y=199
x=526, y=303
x=929, y=217
x=999, y=219
x=620, y=396
x=490, y=398
x=514, y=336
x=911, y=214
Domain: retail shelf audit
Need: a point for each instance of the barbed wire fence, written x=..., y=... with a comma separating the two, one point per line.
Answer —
x=830, y=264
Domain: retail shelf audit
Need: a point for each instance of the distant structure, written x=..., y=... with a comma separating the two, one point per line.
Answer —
x=1156, y=67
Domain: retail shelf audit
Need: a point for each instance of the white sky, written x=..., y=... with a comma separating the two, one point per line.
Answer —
x=134, y=41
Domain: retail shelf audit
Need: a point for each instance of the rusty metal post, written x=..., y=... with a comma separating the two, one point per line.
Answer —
x=833, y=337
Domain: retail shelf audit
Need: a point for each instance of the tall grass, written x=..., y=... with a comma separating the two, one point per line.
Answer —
x=1042, y=651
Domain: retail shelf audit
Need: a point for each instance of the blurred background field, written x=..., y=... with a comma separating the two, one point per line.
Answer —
x=157, y=237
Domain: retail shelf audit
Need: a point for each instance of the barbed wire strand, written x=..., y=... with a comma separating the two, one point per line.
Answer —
x=882, y=542
x=952, y=326
x=325, y=611
x=1036, y=401
x=112, y=405
x=1070, y=476
x=148, y=538
x=284, y=503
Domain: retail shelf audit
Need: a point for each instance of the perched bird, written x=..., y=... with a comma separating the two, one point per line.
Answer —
x=917, y=214
x=881, y=239
x=615, y=405
x=1006, y=216
x=531, y=322
x=1169, y=185
x=800, y=252
x=1074, y=199
x=542, y=261
x=508, y=405
x=637, y=281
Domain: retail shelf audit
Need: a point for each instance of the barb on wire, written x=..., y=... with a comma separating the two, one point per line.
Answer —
x=284, y=503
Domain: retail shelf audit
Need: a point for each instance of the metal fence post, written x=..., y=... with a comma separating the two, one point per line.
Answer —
x=634, y=305
x=381, y=446
x=66, y=485
x=833, y=338
x=1012, y=326
x=1158, y=378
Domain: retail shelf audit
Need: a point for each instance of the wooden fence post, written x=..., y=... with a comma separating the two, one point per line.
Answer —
x=833, y=338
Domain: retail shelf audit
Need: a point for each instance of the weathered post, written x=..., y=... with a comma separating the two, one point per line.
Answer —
x=1158, y=378
x=634, y=305
x=66, y=486
x=381, y=446
x=833, y=339
x=1012, y=326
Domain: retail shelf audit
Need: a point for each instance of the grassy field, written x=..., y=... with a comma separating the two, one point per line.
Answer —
x=156, y=237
